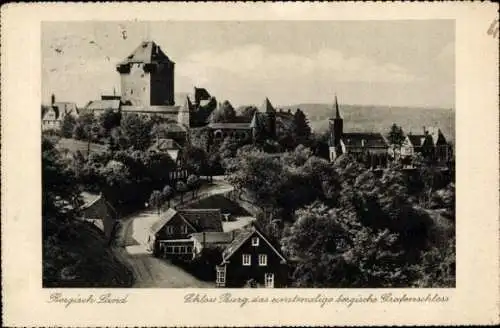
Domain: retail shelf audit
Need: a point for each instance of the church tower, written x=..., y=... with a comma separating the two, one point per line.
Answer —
x=147, y=77
x=336, y=126
x=336, y=131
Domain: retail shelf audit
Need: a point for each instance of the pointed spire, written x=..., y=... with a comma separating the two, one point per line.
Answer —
x=255, y=121
x=267, y=107
x=337, y=110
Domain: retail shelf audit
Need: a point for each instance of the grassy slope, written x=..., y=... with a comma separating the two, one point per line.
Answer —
x=74, y=145
x=379, y=119
x=84, y=254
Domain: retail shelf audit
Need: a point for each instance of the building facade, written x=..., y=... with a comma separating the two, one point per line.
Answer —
x=252, y=259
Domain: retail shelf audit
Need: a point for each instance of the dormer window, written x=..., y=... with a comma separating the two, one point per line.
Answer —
x=255, y=241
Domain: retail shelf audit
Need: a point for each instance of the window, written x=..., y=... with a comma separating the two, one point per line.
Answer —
x=170, y=230
x=269, y=280
x=262, y=259
x=184, y=229
x=247, y=259
x=169, y=250
x=221, y=276
x=189, y=249
x=255, y=241
x=183, y=250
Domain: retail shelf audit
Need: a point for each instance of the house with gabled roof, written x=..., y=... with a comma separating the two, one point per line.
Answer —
x=431, y=144
x=170, y=235
x=54, y=114
x=252, y=257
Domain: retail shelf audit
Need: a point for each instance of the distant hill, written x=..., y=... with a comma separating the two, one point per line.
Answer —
x=379, y=119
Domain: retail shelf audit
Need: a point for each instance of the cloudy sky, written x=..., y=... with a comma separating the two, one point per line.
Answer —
x=397, y=63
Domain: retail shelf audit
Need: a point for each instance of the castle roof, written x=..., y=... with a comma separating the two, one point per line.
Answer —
x=147, y=52
x=436, y=135
x=267, y=107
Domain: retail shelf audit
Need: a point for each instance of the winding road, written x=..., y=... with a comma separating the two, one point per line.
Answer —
x=148, y=270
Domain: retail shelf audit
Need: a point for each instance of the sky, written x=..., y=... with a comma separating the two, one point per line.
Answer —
x=387, y=63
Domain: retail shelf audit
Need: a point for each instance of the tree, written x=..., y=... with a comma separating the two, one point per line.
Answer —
x=167, y=194
x=109, y=120
x=224, y=114
x=59, y=187
x=437, y=268
x=181, y=187
x=258, y=173
x=396, y=139
x=334, y=249
x=248, y=111
x=67, y=126
x=155, y=200
x=195, y=159
x=193, y=183
x=302, y=128
x=137, y=131
x=79, y=132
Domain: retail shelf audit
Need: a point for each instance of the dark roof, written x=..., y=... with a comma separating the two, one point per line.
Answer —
x=147, y=52
x=232, y=126
x=164, y=219
x=203, y=219
x=364, y=139
x=97, y=208
x=238, y=241
x=417, y=139
x=243, y=236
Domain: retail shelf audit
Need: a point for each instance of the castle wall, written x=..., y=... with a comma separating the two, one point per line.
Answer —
x=135, y=86
x=162, y=85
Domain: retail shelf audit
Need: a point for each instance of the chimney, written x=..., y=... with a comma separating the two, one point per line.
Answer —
x=203, y=239
x=232, y=235
x=53, y=99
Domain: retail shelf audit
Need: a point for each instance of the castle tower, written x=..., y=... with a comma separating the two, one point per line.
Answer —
x=147, y=77
x=336, y=126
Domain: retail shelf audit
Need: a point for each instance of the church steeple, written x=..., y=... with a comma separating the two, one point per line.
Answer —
x=336, y=126
x=337, y=111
